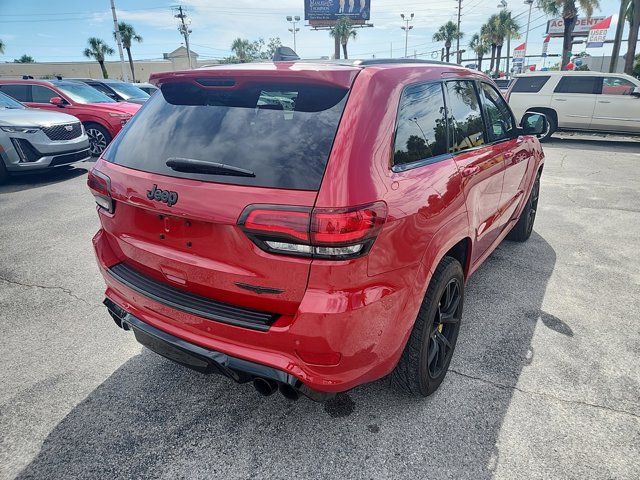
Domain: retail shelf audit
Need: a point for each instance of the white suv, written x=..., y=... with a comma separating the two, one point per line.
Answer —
x=592, y=101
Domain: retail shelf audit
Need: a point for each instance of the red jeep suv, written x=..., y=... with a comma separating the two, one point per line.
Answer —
x=310, y=226
x=101, y=116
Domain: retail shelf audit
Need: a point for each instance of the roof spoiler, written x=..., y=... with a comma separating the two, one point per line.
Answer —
x=285, y=54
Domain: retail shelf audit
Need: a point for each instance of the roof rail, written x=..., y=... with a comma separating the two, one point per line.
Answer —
x=379, y=61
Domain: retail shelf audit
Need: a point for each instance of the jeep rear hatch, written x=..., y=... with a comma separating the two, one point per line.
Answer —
x=187, y=166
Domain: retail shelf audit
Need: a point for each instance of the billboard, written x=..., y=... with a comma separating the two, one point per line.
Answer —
x=555, y=26
x=327, y=12
x=598, y=33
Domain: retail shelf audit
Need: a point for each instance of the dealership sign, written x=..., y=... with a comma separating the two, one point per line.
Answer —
x=327, y=12
x=555, y=27
x=598, y=33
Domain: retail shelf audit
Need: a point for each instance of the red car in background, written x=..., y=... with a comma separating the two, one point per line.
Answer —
x=101, y=116
x=311, y=227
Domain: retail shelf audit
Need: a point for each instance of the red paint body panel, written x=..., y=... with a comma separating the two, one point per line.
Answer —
x=360, y=310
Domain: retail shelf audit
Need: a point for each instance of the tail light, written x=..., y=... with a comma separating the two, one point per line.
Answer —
x=329, y=233
x=100, y=186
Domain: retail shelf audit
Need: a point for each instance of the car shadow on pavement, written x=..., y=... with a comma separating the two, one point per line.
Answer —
x=22, y=182
x=152, y=418
x=595, y=144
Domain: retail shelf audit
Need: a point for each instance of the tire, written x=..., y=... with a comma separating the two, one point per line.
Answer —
x=426, y=348
x=99, y=138
x=522, y=230
x=552, y=125
x=4, y=174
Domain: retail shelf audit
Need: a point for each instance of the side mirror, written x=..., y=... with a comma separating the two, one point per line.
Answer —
x=534, y=124
x=635, y=92
x=57, y=101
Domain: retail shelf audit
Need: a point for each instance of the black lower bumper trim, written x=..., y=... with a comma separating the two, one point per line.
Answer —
x=193, y=356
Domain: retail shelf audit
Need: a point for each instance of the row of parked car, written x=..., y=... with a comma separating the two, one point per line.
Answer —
x=48, y=123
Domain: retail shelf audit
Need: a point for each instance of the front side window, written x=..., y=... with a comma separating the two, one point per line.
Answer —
x=19, y=91
x=280, y=135
x=577, y=84
x=8, y=102
x=499, y=118
x=41, y=94
x=465, y=116
x=421, y=131
x=82, y=93
x=617, y=86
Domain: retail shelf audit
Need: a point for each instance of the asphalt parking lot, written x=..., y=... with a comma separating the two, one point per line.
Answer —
x=545, y=381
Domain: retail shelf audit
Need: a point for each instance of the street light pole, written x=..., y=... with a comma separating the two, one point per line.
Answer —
x=293, y=21
x=526, y=37
x=406, y=29
x=118, y=41
x=503, y=5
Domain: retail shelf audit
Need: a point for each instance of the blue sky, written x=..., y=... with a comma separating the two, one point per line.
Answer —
x=58, y=31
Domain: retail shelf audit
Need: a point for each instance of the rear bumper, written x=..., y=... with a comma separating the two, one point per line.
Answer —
x=335, y=341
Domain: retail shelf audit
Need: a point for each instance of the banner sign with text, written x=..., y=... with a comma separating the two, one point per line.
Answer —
x=598, y=33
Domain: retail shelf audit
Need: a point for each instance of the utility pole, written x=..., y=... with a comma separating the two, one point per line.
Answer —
x=526, y=37
x=293, y=21
x=125, y=77
x=406, y=29
x=184, y=30
x=458, y=56
x=615, y=53
x=503, y=5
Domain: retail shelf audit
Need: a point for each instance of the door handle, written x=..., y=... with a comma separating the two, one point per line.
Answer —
x=468, y=171
x=560, y=99
x=604, y=101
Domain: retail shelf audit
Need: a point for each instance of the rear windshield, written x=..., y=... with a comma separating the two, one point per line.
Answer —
x=282, y=133
x=529, y=84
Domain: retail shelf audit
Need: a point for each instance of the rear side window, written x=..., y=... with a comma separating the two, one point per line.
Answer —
x=529, y=84
x=421, y=132
x=465, y=115
x=577, y=84
x=617, y=86
x=282, y=133
x=18, y=91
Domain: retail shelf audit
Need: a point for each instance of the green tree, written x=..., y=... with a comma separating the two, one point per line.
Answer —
x=341, y=32
x=480, y=47
x=489, y=33
x=447, y=33
x=24, y=59
x=636, y=68
x=633, y=17
x=128, y=35
x=568, y=10
x=246, y=51
x=1, y=47
x=504, y=26
x=97, y=50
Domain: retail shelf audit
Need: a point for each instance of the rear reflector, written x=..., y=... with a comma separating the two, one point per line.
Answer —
x=329, y=233
x=100, y=186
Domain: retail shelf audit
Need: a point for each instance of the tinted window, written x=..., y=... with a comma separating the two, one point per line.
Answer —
x=499, y=119
x=8, y=102
x=421, y=132
x=18, y=91
x=577, y=84
x=127, y=91
x=102, y=88
x=465, y=116
x=617, y=86
x=282, y=133
x=529, y=84
x=42, y=94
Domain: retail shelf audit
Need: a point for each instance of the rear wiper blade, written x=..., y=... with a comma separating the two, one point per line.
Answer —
x=192, y=165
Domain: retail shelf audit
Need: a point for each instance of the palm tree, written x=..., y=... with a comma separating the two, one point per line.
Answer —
x=341, y=32
x=447, y=33
x=98, y=49
x=241, y=47
x=128, y=35
x=1, y=47
x=480, y=47
x=633, y=17
x=568, y=9
x=505, y=26
x=489, y=33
